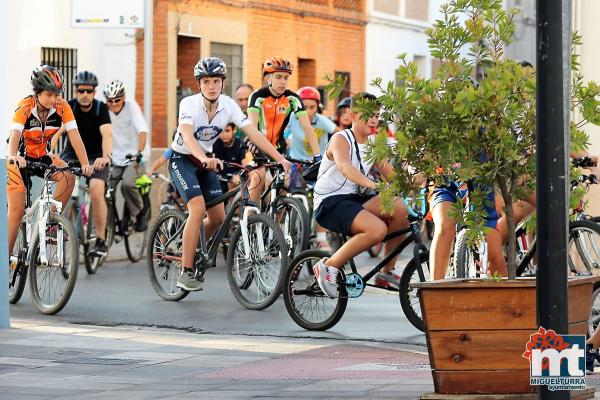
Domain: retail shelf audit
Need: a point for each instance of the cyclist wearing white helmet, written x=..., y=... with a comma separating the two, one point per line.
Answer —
x=202, y=118
x=129, y=131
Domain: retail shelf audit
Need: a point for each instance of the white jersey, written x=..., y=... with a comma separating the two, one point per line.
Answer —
x=192, y=112
x=330, y=181
x=126, y=128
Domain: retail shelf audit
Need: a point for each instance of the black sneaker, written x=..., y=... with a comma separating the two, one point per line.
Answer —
x=188, y=281
x=100, y=248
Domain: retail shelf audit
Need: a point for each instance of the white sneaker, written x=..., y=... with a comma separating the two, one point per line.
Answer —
x=326, y=278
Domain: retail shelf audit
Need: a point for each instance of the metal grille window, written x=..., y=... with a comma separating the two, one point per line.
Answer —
x=66, y=61
x=232, y=55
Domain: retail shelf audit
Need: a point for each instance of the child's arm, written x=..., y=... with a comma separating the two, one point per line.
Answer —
x=160, y=161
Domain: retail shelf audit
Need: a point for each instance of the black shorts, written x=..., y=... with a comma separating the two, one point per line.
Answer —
x=336, y=213
x=100, y=174
x=191, y=180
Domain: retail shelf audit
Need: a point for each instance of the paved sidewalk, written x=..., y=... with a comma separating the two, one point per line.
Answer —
x=61, y=361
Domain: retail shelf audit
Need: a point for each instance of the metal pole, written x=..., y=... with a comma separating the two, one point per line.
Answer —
x=148, y=31
x=4, y=128
x=552, y=140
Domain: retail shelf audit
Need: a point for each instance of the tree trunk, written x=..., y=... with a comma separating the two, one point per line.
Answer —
x=510, y=219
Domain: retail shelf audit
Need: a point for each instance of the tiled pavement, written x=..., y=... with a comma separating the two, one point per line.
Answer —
x=60, y=361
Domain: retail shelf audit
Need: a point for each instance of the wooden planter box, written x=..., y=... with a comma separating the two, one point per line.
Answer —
x=477, y=331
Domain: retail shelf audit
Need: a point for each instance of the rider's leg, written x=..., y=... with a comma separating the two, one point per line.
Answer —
x=15, y=196
x=256, y=184
x=99, y=208
x=191, y=232
x=214, y=219
x=443, y=237
x=395, y=222
x=130, y=191
x=496, y=260
x=367, y=229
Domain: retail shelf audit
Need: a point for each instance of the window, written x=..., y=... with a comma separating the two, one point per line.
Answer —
x=387, y=6
x=66, y=62
x=232, y=55
x=346, y=89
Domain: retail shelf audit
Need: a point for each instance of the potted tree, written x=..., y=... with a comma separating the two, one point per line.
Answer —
x=477, y=329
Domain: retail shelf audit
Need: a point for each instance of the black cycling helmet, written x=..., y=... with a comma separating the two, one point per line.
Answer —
x=48, y=78
x=85, y=78
x=211, y=66
x=345, y=102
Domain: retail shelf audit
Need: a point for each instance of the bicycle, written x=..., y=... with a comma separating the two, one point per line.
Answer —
x=135, y=242
x=289, y=212
x=45, y=249
x=312, y=309
x=583, y=252
x=168, y=194
x=256, y=257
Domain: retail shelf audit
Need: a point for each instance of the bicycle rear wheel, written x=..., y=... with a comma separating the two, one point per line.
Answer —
x=135, y=242
x=409, y=299
x=466, y=260
x=304, y=301
x=161, y=261
x=18, y=267
x=92, y=262
x=256, y=280
x=293, y=220
x=584, y=247
x=52, y=284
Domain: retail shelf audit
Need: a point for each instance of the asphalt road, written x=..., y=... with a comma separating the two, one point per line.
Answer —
x=121, y=294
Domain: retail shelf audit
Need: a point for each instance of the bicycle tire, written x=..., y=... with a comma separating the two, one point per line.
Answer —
x=154, y=240
x=594, y=319
x=409, y=300
x=464, y=258
x=291, y=211
x=133, y=254
x=588, y=251
x=18, y=274
x=69, y=254
x=260, y=290
x=296, y=283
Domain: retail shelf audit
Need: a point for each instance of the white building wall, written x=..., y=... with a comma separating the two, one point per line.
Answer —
x=33, y=24
x=388, y=36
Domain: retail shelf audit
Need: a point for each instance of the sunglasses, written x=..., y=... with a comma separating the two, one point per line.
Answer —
x=88, y=91
x=116, y=100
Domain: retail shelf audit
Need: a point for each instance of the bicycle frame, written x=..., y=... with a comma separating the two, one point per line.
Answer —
x=418, y=250
x=208, y=251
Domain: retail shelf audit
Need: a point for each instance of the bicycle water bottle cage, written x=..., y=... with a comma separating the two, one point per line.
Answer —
x=355, y=286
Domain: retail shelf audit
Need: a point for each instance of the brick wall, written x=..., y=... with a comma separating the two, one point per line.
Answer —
x=315, y=30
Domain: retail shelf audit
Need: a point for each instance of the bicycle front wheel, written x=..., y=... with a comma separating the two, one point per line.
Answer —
x=409, y=299
x=52, y=282
x=18, y=267
x=293, y=220
x=163, y=260
x=584, y=247
x=255, y=277
x=304, y=301
x=135, y=242
x=466, y=262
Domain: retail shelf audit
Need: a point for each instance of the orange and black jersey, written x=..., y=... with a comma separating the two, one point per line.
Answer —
x=274, y=113
x=35, y=142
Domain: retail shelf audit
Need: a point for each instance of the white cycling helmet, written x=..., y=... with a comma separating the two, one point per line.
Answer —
x=114, y=88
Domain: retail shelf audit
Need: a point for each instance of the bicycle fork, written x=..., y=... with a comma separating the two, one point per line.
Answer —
x=244, y=229
x=42, y=223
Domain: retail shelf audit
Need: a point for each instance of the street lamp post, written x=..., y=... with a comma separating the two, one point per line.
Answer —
x=552, y=143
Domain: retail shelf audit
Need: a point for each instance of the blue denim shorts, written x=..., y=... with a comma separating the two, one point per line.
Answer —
x=454, y=192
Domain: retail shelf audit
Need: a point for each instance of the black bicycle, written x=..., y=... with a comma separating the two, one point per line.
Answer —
x=256, y=258
x=312, y=309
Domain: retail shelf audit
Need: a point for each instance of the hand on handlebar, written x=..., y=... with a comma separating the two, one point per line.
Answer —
x=285, y=164
x=101, y=162
x=20, y=161
x=87, y=170
x=212, y=163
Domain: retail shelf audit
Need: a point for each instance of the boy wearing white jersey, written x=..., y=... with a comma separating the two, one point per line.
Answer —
x=202, y=117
